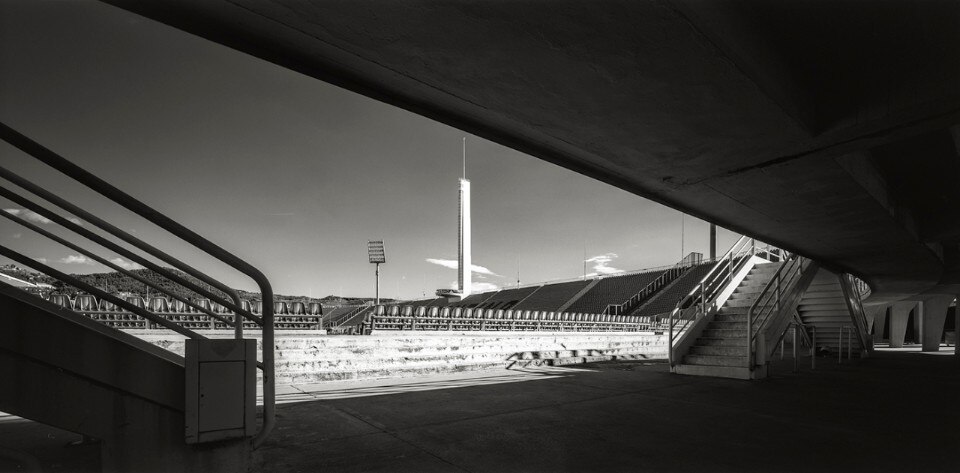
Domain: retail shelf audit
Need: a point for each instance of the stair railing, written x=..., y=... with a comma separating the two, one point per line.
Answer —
x=234, y=303
x=780, y=292
x=699, y=302
x=666, y=278
x=853, y=290
x=336, y=323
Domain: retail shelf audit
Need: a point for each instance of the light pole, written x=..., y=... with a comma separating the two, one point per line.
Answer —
x=377, y=255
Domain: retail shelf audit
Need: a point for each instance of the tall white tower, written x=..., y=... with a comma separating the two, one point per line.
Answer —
x=465, y=282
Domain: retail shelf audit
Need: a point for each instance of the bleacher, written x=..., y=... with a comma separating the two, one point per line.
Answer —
x=613, y=290
x=669, y=296
x=503, y=299
x=473, y=300
x=422, y=318
x=293, y=316
x=551, y=297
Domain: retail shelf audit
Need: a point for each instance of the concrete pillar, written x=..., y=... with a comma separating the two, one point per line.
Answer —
x=879, y=321
x=934, y=315
x=918, y=322
x=899, y=316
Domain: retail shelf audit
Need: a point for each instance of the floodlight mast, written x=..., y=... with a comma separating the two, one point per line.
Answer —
x=376, y=255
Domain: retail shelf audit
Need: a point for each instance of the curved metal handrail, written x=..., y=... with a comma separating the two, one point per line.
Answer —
x=93, y=182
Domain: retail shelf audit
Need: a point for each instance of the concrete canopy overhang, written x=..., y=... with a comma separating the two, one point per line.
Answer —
x=788, y=121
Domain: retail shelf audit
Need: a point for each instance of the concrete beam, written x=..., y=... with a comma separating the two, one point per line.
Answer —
x=899, y=315
x=934, y=316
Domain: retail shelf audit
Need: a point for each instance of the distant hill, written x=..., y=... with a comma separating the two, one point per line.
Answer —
x=118, y=283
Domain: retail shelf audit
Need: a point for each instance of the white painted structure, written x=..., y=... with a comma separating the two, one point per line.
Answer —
x=464, y=281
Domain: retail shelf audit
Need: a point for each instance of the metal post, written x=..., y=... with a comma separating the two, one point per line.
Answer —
x=849, y=343
x=703, y=301
x=813, y=348
x=670, y=339
x=840, y=347
x=796, y=360
x=749, y=338
x=378, y=286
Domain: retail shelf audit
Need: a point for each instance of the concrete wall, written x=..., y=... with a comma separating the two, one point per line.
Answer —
x=316, y=358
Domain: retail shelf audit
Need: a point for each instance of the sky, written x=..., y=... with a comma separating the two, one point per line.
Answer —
x=290, y=173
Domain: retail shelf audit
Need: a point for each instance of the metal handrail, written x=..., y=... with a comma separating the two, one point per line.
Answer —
x=105, y=189
x=854, y=300
x=769, y=300
x=112, y=265
x=343, y=318
x=694, y=305
x=669, y=275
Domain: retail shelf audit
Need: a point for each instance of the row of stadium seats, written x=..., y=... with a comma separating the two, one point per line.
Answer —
x=293, y=315
x=457, y=318
x=88, y=303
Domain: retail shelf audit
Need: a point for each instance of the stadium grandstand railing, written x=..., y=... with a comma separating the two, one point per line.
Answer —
x=396, y=317
x=232, y=301
x=668, y=276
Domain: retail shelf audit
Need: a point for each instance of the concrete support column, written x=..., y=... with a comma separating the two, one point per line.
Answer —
x=934, y=315
x=879, y=321
x=899, y=316
x=918, y=322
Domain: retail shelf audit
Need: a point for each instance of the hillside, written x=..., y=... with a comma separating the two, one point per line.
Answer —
x=119, y=283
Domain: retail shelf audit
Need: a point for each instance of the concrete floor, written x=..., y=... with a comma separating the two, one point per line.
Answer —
x=896, y=411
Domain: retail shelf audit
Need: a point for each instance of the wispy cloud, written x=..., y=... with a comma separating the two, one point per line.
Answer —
x=75, y=259
x=601, y=263
x=41, y=260
x=32, y=216
x=28, y=215
x=17, y=235
x=128, y=265
x=454, y=264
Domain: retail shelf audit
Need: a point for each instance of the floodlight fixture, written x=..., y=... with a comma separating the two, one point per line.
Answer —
x=376, y=255
x=375, y=251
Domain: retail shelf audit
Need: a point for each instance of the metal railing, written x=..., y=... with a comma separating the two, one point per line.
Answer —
x=699, y=302
x=667, y=277
x=853, y=296
x=340, y=320
x=780, y=293
x=232, y=302
x=457, y=319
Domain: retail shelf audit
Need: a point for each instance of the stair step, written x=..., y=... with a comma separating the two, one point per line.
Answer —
x=710, y=360
x=734, y=372
x=828, y=314
x=825, y=305
x=715, y=350
x=724, y=316
x=733, y=310
x=721, y=342
x=727, y=325
x=738, y=303
x=733, y=334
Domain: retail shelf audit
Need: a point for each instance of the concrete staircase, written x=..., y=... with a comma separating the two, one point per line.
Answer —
x=721, y=348
x=823, y=306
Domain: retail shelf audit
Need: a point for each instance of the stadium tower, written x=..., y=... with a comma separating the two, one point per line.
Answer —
x=463, y=260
